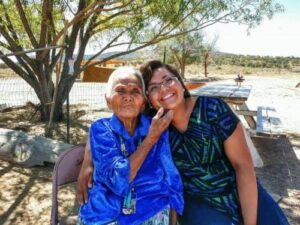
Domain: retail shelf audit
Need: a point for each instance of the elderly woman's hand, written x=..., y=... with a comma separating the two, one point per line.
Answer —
x=160, y=122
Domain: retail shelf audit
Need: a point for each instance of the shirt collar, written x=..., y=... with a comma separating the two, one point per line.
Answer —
x=141, y=130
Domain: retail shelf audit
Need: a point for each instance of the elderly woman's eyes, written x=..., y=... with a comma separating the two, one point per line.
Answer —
x=120, y=91
x=137, y=91
x=123, y=91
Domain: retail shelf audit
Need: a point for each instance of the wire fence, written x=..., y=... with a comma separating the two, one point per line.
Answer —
x=86, y=100
x=16, y=92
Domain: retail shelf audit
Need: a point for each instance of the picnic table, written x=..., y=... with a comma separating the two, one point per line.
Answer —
x=235, y=95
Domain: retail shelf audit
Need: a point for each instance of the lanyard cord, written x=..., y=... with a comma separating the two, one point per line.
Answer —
x=129, y=202
x=124, y=150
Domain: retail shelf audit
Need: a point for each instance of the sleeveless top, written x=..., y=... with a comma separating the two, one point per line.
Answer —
x=199, y=156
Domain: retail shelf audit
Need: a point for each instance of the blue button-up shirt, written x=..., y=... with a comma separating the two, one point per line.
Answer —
x=156, y=185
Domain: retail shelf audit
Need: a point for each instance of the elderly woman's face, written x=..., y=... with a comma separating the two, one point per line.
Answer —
x=127, y=98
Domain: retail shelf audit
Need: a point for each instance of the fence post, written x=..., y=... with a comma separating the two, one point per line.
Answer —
x=70, y=73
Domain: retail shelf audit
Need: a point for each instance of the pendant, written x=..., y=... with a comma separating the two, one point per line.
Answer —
x=129, y=204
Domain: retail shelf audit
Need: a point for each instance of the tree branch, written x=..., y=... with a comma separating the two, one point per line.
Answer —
x=9, y=23
x=108, y=45
x=44, y=23
x=28, y=77
x=13, y=45
x=82, y=14
x=25, y=23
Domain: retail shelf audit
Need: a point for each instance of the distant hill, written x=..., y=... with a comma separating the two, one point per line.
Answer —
x=256, y=61
x=219, y=58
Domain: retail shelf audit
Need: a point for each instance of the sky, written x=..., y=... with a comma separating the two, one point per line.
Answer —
x=279, y=36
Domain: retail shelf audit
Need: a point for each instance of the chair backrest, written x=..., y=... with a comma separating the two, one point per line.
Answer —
x=65, y=171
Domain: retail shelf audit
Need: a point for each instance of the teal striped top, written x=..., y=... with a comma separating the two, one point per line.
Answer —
x=200, y=157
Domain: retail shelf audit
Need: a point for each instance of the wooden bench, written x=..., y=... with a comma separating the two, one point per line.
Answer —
x=268, y=122
x=248, y=116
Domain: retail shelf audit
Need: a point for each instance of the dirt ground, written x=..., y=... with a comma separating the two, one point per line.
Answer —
x=25, y=196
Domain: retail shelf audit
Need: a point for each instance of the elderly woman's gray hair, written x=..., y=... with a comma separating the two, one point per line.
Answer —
x=123, y=70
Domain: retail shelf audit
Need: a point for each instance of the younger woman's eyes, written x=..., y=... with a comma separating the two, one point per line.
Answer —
x=154, y=88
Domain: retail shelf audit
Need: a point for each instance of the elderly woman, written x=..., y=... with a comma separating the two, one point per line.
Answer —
x=135, y=180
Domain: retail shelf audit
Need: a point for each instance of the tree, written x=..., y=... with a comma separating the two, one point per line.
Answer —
x=73, y=24
x=183, y=49
x=206, y=52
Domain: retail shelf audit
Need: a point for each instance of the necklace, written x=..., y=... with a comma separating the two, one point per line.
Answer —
x=129, y=202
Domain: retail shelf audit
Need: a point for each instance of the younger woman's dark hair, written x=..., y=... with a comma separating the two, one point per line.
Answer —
x=149, y=68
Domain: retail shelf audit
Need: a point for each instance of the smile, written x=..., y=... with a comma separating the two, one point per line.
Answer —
x=167, y=97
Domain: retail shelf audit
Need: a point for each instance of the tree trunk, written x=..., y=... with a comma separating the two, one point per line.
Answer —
x=205, y=65
x=45, y=92
x=205, y=68
x=182, y=64
x=182, y=69
x=66, y=82
x=57, y=114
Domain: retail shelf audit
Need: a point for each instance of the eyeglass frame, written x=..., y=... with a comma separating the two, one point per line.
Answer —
x=163, y=83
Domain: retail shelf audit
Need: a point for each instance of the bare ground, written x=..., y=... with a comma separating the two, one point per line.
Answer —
x=280, y=174
x=25, y=196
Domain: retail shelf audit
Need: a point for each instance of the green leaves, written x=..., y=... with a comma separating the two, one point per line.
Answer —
x=33, y=16
x=141, y=20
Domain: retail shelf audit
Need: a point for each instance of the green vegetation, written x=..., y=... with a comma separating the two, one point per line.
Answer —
x=256, y=61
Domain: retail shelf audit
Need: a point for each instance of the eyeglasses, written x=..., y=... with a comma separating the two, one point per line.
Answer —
x=167, y=82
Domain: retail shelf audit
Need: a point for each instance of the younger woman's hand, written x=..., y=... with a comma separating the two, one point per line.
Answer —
x=85, y=177
x=173, y=217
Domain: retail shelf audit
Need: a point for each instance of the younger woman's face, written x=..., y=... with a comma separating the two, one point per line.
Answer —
x=164, y=90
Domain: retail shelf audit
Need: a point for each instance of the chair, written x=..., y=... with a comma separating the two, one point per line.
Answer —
x=65, y=171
